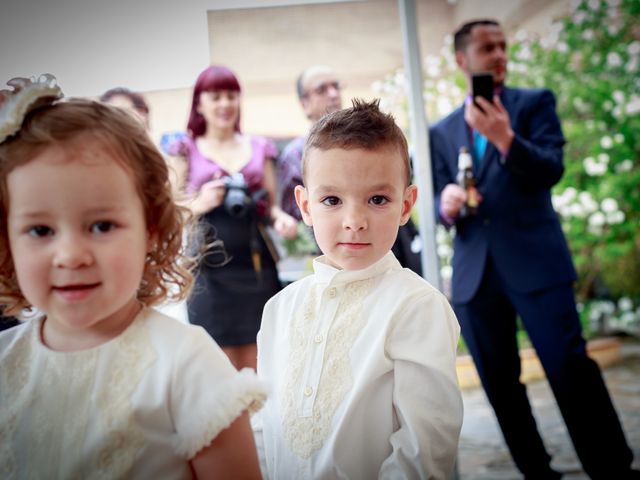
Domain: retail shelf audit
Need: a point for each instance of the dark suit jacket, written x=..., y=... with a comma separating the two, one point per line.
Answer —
x=516, y=222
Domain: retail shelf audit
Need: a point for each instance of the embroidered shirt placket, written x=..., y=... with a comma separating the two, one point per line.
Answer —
x=325, y=314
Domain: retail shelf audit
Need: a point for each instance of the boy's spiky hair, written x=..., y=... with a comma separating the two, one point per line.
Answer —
x=363, y=125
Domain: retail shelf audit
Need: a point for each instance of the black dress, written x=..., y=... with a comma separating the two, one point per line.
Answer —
x=228, y=298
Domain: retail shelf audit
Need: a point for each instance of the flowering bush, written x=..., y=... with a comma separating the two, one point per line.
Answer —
x=590, y=59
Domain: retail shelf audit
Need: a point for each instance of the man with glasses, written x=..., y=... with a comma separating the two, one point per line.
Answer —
x=319, y=91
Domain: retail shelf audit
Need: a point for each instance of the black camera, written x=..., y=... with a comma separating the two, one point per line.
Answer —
x=237, y=200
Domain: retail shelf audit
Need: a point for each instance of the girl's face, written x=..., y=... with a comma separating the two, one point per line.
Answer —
x=78, y=240
x=220, y=108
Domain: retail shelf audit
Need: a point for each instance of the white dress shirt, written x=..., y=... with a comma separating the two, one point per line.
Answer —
x=361, y=371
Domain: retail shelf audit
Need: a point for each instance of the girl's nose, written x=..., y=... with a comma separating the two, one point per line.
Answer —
x=71, y=251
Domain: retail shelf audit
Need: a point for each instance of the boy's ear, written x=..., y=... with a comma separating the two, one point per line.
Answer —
x=302, y=199
x=409, y=200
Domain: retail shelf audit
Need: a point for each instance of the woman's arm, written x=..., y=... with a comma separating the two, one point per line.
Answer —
x=283, y=223
x=232, y=454
x=209, y=196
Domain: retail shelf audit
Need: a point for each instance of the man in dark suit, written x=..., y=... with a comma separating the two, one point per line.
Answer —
x=511, y=259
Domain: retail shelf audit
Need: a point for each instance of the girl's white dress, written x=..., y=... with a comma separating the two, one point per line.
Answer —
x=138, y=406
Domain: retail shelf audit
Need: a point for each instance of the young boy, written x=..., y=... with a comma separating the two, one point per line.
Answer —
x=359, y=356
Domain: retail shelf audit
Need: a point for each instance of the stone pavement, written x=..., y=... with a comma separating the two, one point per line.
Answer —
x=483, y=454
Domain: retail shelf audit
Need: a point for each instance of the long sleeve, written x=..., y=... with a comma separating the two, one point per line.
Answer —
x=422, y=344
x=536, y=155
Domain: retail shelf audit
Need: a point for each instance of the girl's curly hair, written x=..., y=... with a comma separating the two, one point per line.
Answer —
x=167, y=273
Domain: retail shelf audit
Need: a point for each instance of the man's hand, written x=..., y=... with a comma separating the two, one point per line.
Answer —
x=453, y=198
x=493, y=122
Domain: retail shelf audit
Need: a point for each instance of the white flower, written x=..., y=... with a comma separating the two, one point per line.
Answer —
x=609, y=205
x=628, y=319
x=446, y=272
x=593, y=168
x=587, y=202
x=633, y=48
x=613, y=28
x=562, y=47
x=521, y=36
x=579, y=17
x=593, y=4
x=603, y=158
x=588, y=34
x=632, y=65
x=576, y=210
x=618, y=96
x=615, y=218
x=617, y=112
x=618, y=138
x=444, y=251
x=613, y=3
x=607, y=105
x=634, y=105
x=624, y=166
x=606, y=142
x=614, y=59
x=524, y=53
x=597, y=220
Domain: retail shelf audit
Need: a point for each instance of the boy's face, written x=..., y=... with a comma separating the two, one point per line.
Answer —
x=78, y=237
x=355, y=200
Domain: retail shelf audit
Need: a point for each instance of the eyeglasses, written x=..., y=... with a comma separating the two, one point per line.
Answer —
x=323, y=88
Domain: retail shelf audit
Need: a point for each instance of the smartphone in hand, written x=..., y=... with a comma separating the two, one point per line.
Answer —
x=482, y=86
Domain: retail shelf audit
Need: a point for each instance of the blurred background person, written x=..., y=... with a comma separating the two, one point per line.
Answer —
x=130, y=101
x=228, y=180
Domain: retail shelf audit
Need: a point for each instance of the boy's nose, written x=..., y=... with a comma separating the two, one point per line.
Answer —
x=355, y=219
x=72, y=252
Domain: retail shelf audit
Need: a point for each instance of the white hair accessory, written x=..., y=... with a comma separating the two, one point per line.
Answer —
x=27, y=94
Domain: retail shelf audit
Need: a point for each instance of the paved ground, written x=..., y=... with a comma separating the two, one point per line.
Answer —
x=484, y=456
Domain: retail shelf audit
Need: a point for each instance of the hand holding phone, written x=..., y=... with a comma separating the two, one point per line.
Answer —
x=482, y=86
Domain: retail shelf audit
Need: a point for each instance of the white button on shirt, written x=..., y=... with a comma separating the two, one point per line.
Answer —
x=361, y=370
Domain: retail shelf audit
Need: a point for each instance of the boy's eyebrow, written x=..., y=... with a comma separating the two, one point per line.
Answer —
x=331, y=188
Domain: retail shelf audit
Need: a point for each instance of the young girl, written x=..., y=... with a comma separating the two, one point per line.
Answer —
x=101, y=385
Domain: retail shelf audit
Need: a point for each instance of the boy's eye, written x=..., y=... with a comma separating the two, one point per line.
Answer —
x=40, y=231
x=379, y=200
x=330, y=201
x=102, y=227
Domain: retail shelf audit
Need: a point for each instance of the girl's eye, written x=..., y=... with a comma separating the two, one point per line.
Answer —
x=40, y=231
x=330, y=201
x=379, y=200
x=102, y=227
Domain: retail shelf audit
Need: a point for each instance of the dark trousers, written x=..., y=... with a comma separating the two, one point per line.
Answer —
x=488, y=324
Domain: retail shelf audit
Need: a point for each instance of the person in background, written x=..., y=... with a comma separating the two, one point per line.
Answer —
x=100, y=384
x=132, y=102
x=227, y=179
x=359, y=357
x=511, y=259
x=319, y=91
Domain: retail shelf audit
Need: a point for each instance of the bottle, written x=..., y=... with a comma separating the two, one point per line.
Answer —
x=467, y=180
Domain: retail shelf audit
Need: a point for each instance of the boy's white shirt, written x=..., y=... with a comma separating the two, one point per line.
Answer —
x=361, y=372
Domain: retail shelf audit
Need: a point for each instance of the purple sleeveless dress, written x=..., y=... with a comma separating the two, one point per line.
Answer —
x=228, y=299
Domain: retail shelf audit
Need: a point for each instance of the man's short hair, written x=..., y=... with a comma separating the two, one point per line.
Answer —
x=307, y=73
x=463, y=34
x=364, y=126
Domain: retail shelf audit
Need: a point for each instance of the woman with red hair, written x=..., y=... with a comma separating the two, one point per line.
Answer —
x=228, y=180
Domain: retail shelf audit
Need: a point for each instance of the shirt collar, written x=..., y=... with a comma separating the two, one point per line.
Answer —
x=325, y=273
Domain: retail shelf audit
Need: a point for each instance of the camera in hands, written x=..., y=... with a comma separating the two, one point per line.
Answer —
x=237, y=200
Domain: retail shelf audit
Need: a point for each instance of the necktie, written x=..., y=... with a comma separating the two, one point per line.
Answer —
x=479, y=146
